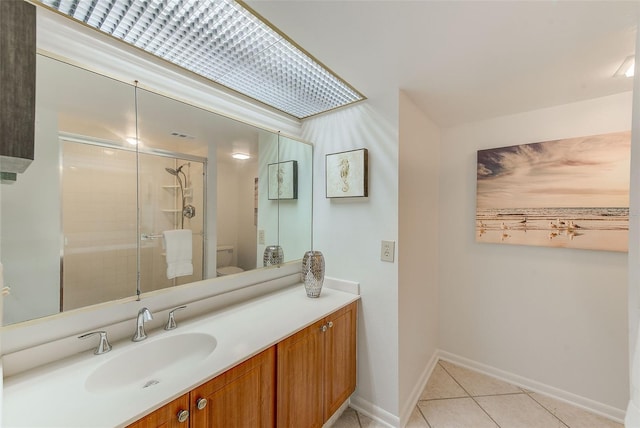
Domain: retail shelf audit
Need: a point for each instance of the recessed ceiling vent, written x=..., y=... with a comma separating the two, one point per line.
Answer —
x=224, y=41
x=182, y=135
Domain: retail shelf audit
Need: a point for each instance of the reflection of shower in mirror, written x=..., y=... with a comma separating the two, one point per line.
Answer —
x=188, y=210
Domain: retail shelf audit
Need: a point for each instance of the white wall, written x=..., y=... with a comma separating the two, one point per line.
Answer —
x=247, y=233
x=634, y=245
x=348, y=232
x=228, y=208
x=267, y=209
x=31, y=230
x=295, y=215
x=556, y=316
x=419, y=147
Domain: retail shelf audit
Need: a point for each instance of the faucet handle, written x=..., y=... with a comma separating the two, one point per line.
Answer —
x=103, y=345
x=171, y=322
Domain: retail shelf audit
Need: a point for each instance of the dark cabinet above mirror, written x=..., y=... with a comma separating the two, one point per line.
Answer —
x=17, y=87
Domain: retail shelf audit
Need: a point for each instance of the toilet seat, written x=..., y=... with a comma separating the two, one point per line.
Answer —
x=229, y=270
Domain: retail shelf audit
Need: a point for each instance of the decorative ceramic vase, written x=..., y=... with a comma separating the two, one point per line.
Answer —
x=273, y=256
x=313, y=272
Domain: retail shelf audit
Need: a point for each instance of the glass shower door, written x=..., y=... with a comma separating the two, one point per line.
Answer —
x=98, y=223
x=171, y=197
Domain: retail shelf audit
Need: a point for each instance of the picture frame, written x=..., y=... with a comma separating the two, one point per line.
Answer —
x=563, y=193
x=283, y=180
x=347, y=174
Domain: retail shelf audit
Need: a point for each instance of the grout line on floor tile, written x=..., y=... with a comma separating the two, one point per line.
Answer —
x=487, y=413
x=424, y=400
x=423, y=416
x=358, y=418
x=544, y=407
x=454, y=379
x=470, y=396
x=499, y=395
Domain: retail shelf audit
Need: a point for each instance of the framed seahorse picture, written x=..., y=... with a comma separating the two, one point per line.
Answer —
x=283, y=180
x=347, y=174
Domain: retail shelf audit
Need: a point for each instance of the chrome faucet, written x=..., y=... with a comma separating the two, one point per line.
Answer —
x=103, y=346
x=144, y=314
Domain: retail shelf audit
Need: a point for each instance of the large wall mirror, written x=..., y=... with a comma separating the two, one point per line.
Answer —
x=116, y=168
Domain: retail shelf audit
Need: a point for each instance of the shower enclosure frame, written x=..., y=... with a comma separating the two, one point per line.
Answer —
x=82, y=139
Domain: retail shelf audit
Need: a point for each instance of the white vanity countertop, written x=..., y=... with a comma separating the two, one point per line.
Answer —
x=55, y=395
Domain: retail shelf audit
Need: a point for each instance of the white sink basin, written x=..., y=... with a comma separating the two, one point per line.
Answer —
x=151, y=362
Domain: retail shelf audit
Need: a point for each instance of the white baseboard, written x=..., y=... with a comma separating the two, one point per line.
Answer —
x=374, y=412
x=410, y=404
x=584, y=403
x=388, y=419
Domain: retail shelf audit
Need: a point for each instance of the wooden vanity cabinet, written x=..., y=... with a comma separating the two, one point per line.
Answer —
x=311, y=373
x=243, y=396
x=317, y=370
x=166, y=416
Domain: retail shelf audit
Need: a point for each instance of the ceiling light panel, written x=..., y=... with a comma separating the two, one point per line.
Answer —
x=222, y=41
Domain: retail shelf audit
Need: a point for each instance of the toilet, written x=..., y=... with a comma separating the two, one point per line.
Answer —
x=223, y=262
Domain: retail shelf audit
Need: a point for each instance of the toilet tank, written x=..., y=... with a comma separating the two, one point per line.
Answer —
x=224, y=255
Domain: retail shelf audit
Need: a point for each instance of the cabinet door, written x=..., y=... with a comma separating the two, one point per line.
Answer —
x=340, y=358
x=243, y=396
x=166, y=416
x=17, y=84
x=300, y=378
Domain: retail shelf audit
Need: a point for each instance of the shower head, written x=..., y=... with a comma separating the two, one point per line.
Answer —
x=175, y=171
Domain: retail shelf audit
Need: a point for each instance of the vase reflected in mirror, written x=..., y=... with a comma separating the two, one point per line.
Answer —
x=273, y=256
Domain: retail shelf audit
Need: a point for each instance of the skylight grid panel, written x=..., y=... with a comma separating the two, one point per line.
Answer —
x=171, y=39
x=165, y=36
x=159, y=24
x=144, y=30
x=177, y=13
x=222, y=41
x=111, y=23
x=80, y=11
x=327, y=78
x=141, y=20
x=265, y=92
x=121, y=17
x=107, y=13
x=156, y=36
x=261, y=89
x=257, y=90
x=198, y=14
x=64, y=6
x=192, y=41
x=127, y=23
x=243, y=51
x=184, y=51
x=147, y=26
x=113, y=11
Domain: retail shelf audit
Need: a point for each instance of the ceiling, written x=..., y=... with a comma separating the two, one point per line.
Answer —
x=462, y=61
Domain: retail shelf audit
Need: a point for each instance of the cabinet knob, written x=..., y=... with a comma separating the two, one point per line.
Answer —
x=201, y=403
x=183, y=415
x=324, y=328
x=330, y=324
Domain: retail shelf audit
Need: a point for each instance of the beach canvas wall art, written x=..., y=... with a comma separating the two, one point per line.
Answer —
x=571, y=193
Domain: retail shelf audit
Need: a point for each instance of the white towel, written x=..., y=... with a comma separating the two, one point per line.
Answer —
x=177, y=244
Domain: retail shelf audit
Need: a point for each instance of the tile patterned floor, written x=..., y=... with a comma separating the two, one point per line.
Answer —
x=456, y=397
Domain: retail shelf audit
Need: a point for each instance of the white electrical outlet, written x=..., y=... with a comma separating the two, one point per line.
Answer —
x=388, y=251
x=261, y=237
